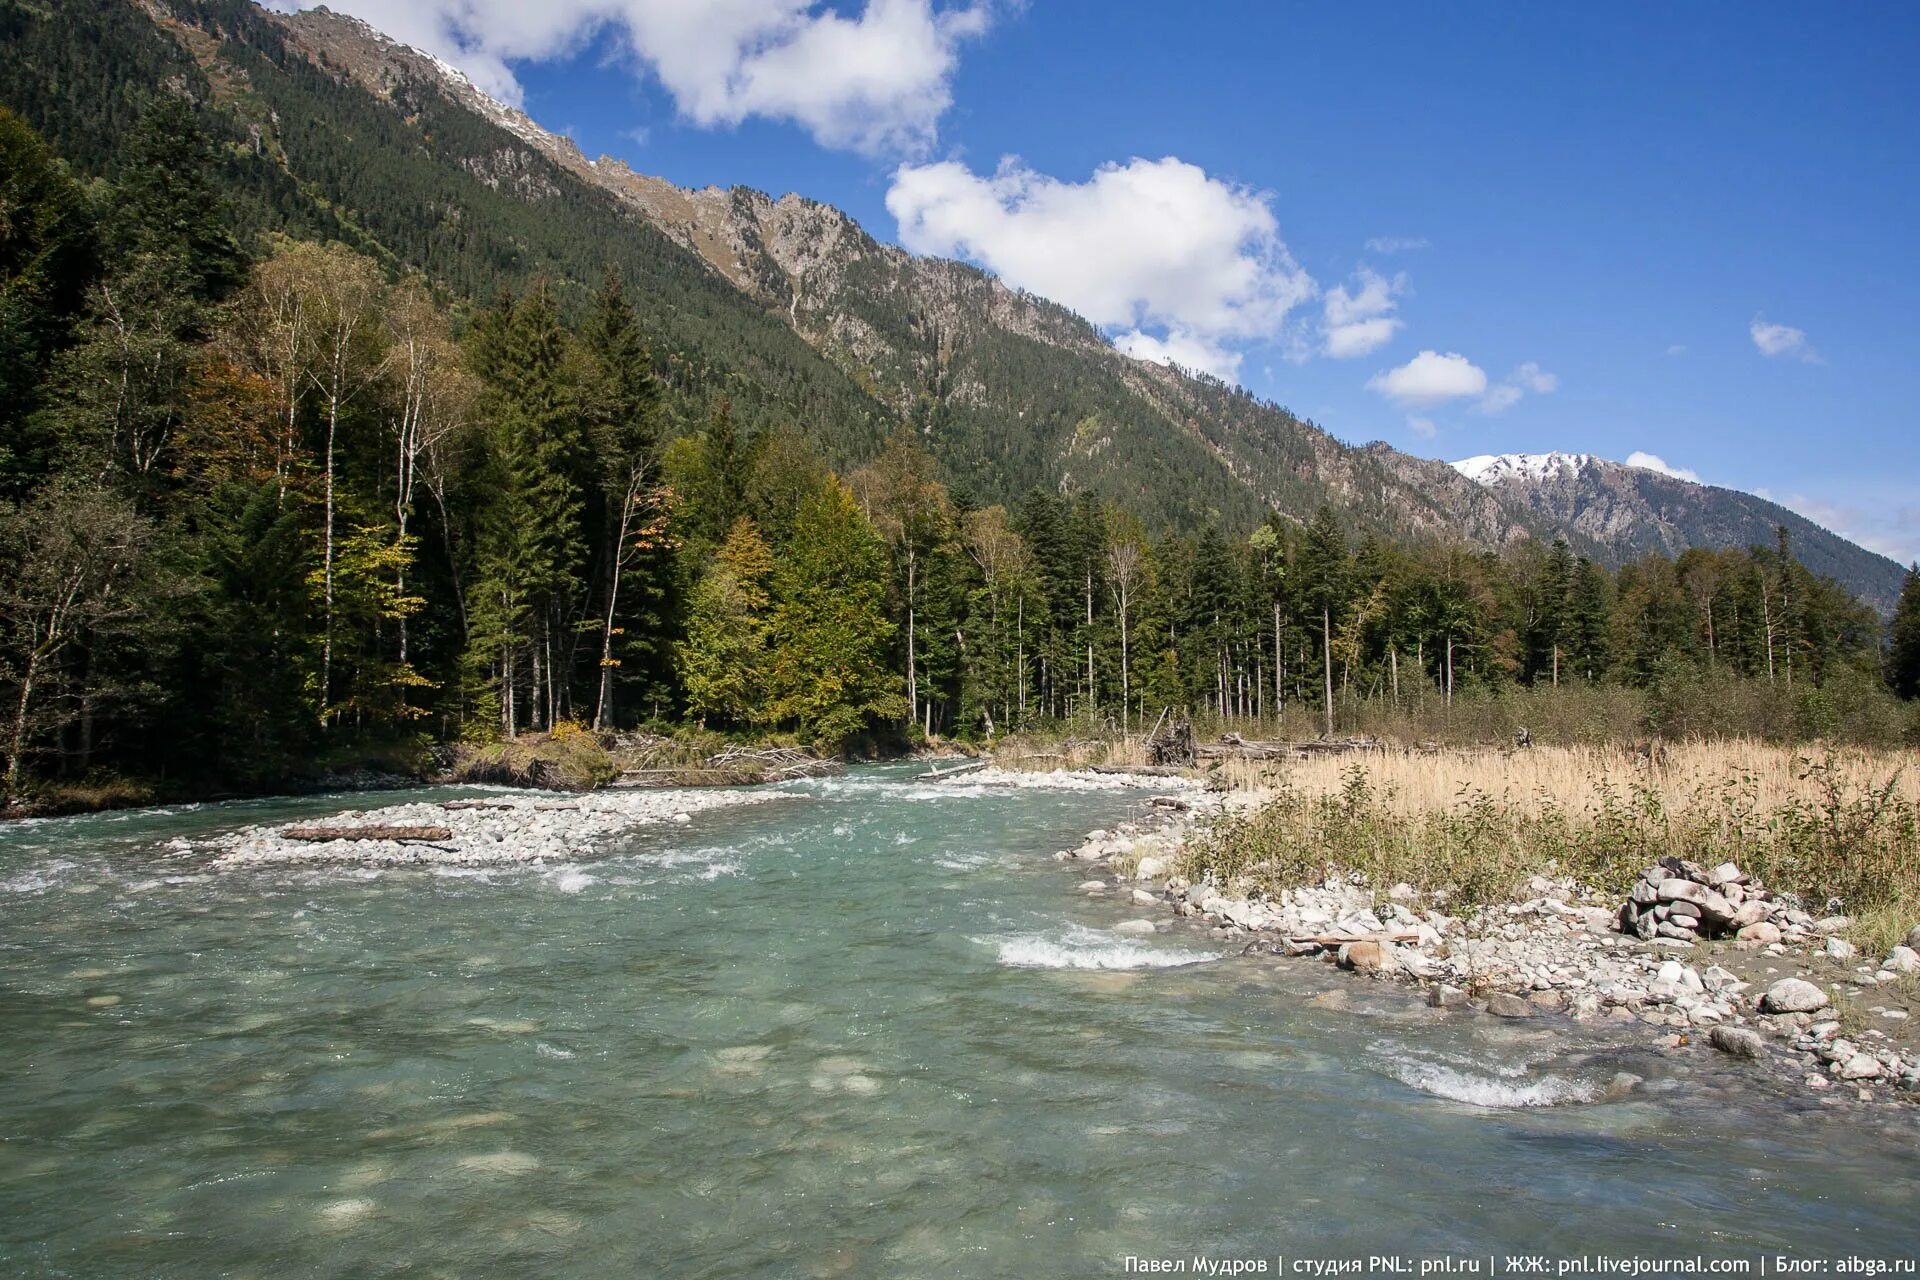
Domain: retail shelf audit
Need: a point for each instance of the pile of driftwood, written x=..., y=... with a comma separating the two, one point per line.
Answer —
x=323, y=834
x=736, y=767
x=1170, y=745
x=1232, y=746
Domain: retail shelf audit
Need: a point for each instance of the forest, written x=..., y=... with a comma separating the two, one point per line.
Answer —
x=271, y=508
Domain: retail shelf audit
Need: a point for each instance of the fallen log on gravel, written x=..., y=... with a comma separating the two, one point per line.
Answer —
x=935, y=775
x=454, y=806
x=320, y=835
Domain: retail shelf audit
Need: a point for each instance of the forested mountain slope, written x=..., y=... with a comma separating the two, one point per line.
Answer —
x=784, y=305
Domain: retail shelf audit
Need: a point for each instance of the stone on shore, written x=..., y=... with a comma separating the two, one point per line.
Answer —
x=1839, y=949
x=1761, y=932
x=1135, y=926
x=1504, y=1004
x=1364, y=956
x=1444, y=995
x=1741, y=1042
x=1143, y=898
x=1793, y=995
x=1903, y=960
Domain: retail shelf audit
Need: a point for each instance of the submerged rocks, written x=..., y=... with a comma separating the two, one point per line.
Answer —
x=1793, y=995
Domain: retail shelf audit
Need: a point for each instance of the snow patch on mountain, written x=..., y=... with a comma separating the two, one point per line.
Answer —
x=1496, y=468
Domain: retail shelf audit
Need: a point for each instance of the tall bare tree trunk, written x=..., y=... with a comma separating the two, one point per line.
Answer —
x=1326, y=659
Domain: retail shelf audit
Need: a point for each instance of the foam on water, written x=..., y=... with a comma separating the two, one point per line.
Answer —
x=1495, y=1088
x=570, y=879
x=1078, y=947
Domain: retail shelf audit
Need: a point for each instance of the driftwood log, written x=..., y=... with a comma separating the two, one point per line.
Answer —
x=321, y=834
x=935, y=775
x=454, y=806
x=1232, y=746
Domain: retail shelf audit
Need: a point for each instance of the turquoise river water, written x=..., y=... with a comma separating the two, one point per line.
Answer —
x=866, y=1030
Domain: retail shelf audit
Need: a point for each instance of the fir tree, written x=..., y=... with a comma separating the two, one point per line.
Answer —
x=831, y=633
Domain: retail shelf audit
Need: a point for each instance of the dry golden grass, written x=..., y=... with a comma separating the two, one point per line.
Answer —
x=1684, y=776
x=1040, y=752
x=1825, y=824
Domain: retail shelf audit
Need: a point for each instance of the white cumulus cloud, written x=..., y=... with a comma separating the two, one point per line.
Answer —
x=1430, y=379
x=1360, y=320
x=1182, y=264
x=1181, y=348
x=876, y=82
x=1654, y=462
x=1777, y=340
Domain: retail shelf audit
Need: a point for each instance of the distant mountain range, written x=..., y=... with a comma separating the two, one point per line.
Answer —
x=1634, y=510
x=787, y=305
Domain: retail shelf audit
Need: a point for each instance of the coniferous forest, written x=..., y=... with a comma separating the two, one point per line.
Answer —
x=275, y=507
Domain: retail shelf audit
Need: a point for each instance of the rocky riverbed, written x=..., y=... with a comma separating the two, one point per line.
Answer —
x=502, y=828
x=1695, y=955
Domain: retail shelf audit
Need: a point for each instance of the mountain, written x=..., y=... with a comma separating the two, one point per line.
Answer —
x=1635, y=511
x=786, y=306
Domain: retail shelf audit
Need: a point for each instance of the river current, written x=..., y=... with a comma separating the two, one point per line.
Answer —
x=865, y=1030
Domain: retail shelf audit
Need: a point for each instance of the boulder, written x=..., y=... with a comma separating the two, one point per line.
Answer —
x=1149, y=868
x=1726, y=873
x=1913, y=938
x=1134, y=926
x=1363, y=956
x=1903, y=960
x=1793, y=995
x=1645, y=893
x=1761, y=931
x=1144, y=899
x=1504, y=1004
x=1444, y=995
x=1752, y=911
x=1839, y=949
x=1741, y=1042
x=1861, y=1066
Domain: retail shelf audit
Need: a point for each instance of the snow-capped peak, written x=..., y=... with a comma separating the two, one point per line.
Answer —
x=1493, y=468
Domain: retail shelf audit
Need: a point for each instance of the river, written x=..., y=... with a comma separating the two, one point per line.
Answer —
x=865, y=1030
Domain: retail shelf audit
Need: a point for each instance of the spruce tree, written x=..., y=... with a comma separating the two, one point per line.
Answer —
x=1903, y=648
x=1323, y=577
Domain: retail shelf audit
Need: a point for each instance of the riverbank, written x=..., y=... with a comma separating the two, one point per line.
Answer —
x=1790, y=990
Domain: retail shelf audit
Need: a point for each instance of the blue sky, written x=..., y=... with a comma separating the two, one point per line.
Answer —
x=1685, y=231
